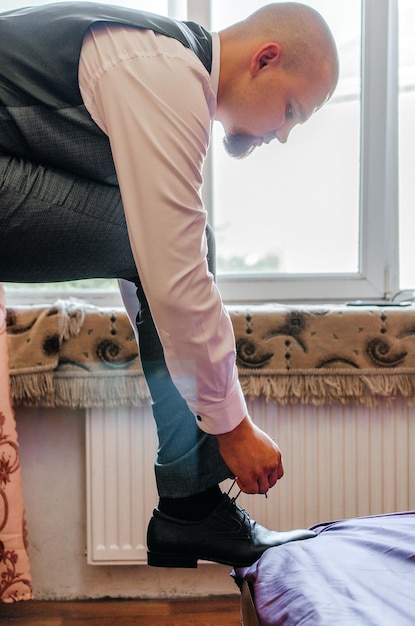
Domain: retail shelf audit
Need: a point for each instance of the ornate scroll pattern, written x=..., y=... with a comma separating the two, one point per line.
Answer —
x=15, y=581
x=9, y=463
x=14, y=584
x=323, y=355
x=311, y=338
x=72, y=354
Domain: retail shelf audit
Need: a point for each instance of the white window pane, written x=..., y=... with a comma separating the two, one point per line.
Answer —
x=155, y=6
x=406, y=142
x=294, y=208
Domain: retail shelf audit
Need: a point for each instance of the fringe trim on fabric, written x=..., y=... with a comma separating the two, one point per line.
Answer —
x=32, y=389
x=47, y=390
x=363, y=389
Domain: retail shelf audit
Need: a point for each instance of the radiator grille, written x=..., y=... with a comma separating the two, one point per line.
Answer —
x=339, y=462
x=121, y=491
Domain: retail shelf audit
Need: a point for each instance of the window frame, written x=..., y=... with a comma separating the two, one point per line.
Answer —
x=378, y=277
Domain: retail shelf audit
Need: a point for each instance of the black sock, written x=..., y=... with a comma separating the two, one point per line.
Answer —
x=192, y=508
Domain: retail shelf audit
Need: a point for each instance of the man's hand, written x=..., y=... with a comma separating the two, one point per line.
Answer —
x=252, y=456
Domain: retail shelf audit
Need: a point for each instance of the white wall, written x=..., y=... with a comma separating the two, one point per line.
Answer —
x=52, y=446
x=340, y=462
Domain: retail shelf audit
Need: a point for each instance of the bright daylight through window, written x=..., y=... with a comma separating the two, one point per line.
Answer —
x=282, y=210
x=317, y=217
x=406, y=142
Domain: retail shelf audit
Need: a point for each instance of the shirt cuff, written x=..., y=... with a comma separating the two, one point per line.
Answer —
x=224, y=416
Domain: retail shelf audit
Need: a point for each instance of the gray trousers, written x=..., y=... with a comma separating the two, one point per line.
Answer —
x=57, y=226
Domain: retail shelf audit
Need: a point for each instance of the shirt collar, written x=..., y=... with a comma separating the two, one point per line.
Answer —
x=215, y=62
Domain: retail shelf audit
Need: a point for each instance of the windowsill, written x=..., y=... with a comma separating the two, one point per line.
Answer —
x=112, y=298
x=35, y=297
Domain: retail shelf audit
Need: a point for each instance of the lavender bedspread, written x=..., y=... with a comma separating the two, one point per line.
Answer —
x=356, y=572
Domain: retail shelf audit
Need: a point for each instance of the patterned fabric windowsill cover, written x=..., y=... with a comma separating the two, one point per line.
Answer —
x=76, y=355
x=72, y=354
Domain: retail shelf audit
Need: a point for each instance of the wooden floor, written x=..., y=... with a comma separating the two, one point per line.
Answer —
x=189, y=612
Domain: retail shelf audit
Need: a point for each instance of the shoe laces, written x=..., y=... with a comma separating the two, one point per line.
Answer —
x=239, y=492
x=237, y=507
x=241, y=513
x=233, y=498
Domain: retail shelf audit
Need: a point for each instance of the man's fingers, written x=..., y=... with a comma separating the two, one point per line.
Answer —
x=261, y=484
x=252, y=456
x=247, y=487
x=272, y=479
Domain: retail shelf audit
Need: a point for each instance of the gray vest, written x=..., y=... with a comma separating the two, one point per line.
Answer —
x=42, y=117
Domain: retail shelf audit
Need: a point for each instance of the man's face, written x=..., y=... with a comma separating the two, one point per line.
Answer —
x=278, y=103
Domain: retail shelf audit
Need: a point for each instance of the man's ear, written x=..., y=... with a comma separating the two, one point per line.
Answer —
x=268, y=54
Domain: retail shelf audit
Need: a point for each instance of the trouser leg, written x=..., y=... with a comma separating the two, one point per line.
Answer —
x=57, y=226
x=188, y=460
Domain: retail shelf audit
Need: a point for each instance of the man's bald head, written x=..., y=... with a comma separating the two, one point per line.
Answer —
x=306, y=40
x=278, y=66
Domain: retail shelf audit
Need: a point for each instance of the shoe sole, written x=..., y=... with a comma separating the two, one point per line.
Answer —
x=155, y=559
x=171, y=560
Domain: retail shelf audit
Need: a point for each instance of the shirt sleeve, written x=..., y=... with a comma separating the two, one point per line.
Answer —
x=156, y=111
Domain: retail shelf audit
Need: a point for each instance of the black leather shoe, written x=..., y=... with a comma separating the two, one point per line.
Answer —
x=228, y=535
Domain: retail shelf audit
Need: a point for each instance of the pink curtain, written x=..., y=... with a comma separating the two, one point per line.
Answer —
x=15, y=580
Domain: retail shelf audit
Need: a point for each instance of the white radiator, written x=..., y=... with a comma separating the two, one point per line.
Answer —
x=339, y=462
x=121, y=491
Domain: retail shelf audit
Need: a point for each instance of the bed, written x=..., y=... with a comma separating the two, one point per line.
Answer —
x=358, y=571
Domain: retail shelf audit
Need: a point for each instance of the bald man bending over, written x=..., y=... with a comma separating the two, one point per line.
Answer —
x=105, y=121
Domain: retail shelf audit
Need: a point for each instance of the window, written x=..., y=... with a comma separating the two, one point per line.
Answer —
x=293, y=209
x=406, y=142
x=318, y=217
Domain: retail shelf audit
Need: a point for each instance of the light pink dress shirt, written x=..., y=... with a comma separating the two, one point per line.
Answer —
x=156, y=101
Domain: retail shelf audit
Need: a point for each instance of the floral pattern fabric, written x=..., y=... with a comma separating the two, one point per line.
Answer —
x=15, y=580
